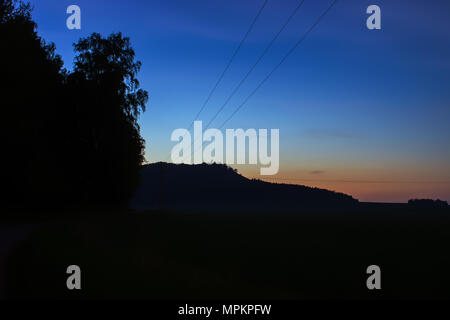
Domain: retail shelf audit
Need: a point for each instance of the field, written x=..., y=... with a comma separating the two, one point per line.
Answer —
x=159, y=255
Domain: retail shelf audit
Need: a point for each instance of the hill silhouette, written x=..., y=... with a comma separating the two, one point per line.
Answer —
x=182, y=187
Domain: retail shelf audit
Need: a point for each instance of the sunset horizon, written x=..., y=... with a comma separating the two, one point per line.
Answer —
x=216, y=159
x=363, y=109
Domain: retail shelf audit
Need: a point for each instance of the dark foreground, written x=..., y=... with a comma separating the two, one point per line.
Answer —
x=164, y=255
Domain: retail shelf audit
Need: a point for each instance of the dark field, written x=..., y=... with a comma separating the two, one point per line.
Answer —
x=162, y=255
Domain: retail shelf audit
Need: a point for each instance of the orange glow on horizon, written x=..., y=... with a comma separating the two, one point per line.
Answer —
x=375, y=185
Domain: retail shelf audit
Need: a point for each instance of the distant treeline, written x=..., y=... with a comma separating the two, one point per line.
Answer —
x=69, y=138
x=428, y=203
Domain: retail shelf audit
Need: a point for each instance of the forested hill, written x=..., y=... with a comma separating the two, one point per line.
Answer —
x=220, y=188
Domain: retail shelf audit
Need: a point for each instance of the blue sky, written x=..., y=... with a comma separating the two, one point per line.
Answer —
x=353, y=105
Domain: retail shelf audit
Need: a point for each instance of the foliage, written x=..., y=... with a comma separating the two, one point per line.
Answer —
x=69, y=138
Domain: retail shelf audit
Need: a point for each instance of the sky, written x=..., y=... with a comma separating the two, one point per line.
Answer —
x=360, y=111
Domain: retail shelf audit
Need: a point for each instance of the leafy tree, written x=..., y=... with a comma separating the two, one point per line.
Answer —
x=111, y=61
x=31, y=86
x=68, y=138
x=11, y=10
x=107, y=100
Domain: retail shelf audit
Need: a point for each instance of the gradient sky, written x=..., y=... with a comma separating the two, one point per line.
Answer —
x=365, y=112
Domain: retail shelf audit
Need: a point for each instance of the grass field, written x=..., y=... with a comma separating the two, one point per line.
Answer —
x=162, y=255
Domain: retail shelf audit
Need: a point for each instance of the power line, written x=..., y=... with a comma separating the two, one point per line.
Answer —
x=254, y=65
x=357, y=181
x=280, y=63
x=257, y=61
x=228, y=64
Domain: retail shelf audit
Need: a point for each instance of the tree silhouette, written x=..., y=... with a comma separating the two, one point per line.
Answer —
x=69, y=138
x=31, y=87
x=107, y=101
x=428, y=203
